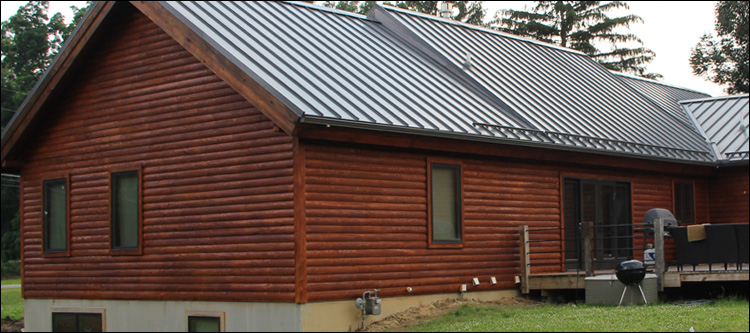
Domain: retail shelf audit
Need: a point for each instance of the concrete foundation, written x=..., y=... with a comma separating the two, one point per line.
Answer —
x=171, y=316
x=606, y=289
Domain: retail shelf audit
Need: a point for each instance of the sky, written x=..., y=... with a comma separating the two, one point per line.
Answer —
x=670, y=29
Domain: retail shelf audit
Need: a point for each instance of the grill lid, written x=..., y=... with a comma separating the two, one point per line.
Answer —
x=630, y=272
x=664, y=214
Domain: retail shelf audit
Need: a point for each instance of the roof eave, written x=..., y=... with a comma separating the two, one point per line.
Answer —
x=314, y=120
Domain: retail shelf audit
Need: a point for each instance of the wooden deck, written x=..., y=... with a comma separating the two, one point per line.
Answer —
x=671, y=278
x=668, y=276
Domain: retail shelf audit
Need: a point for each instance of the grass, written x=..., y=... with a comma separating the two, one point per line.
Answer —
x=11, y=281
x=727, y=315
x=12, y=303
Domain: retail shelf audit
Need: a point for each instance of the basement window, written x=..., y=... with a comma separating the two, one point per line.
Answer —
x=684, y=202
x=205, y=321
x=445, y=205
x=55, y=216
x=76, y=322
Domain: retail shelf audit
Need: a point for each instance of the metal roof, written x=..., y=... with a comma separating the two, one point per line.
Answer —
x=666, y=96
x=414, y=73
x=335, y=66
x=724, y=121
x=559, y=91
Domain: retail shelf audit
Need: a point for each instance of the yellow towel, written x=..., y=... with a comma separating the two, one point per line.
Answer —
x=696, y=232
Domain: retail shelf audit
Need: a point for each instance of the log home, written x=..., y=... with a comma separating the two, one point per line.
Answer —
x=257, y=166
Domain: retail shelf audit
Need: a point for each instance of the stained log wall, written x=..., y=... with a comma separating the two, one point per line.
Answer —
x=728, y=195
x=218, y=196
x=218, y=219
x=367, y=219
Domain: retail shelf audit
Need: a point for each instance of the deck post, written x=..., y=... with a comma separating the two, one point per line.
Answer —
x=588, y=247
x=525, y=265
x=659, y=263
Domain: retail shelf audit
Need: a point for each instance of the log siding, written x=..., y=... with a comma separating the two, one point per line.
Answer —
x=217, y=198
x=235, y=210
x=729, y=202
x=367, y=219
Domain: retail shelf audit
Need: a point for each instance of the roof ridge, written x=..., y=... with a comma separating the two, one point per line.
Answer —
x=698, y=100
x=483, y=29
x=657, y=82
x=329, y=10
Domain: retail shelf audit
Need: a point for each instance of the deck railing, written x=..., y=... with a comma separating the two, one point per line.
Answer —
x=589, y=255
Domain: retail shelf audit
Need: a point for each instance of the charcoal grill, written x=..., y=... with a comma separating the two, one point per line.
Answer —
x=659, y=213
x=631, y=273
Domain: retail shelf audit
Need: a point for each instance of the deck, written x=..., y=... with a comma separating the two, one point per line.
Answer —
x=668, y=274
x=671, y=279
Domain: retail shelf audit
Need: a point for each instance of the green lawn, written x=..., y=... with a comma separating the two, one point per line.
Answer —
x=12, y=303
x=728, y=315
x=11, y=281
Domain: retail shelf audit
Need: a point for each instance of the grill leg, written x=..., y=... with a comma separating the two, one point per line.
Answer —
x=623, y=294
x=642, y=294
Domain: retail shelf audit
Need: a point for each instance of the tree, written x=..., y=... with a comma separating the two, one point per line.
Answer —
x=725, y=61
x=30, y=40
x=470, y=12
x=583, y=26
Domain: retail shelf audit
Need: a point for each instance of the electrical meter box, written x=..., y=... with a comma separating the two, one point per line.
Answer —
x=372, y=306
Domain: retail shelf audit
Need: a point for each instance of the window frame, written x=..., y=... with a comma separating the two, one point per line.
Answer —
x=77, y=311
x=221, y=315
x=138, y=250
x=50, y=178
x=679, y=215
x=431, y=243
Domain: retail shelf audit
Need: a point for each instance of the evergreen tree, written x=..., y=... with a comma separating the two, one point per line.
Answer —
x=726, y=61
x=470, y=12
x=583, y=26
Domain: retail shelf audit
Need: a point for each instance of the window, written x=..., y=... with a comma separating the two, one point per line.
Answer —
x=205, y=321
x=125, y=211
x=204, y=324
x=76, y=322
x=684, y=207
x=55, y=216
x=445, y=202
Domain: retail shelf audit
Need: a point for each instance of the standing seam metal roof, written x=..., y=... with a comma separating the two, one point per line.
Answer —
x=666, y=96
x=335, y=67
x=724, y=120
x=557, y=90
x=338, y=66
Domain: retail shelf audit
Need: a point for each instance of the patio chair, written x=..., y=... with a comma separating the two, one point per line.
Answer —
x=690, y=253
x=722, y=244
x=742, y=243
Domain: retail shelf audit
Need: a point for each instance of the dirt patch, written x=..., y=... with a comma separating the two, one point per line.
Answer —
x=12, y=325
x=398, y=321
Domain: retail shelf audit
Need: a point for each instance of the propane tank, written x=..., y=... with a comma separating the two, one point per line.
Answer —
x=649, y=255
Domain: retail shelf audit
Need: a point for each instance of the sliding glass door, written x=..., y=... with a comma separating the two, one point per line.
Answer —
x=607, y=204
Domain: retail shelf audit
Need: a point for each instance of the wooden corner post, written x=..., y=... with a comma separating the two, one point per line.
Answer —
x=659, y=264
x=525, y=265
x=588, y=247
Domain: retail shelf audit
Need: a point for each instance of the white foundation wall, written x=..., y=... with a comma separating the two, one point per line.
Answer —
x=166, y=316
x=171, y=316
